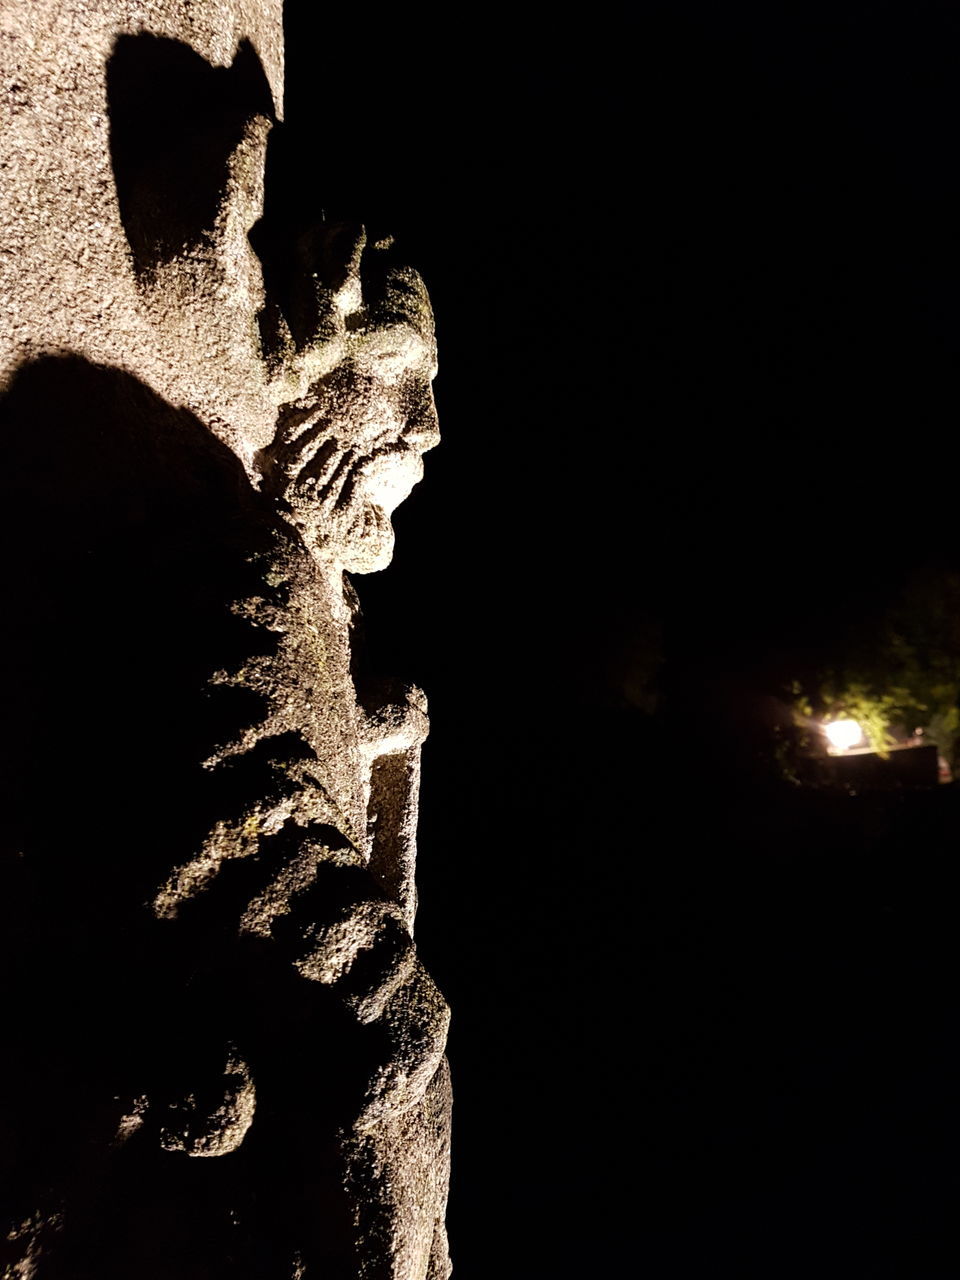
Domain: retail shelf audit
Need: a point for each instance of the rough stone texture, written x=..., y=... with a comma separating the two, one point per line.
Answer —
x=209, y=839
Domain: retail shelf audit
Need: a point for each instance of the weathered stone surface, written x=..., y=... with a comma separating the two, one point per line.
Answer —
x=225, y=1059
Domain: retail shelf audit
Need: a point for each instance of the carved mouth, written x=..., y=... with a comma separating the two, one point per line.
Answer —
x=386, y=478
x=341, y=498
x=368, y=542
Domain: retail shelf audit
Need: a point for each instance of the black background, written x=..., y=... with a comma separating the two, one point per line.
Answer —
x=695, y=274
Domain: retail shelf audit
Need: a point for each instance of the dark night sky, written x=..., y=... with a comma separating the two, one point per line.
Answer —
x=695, y=272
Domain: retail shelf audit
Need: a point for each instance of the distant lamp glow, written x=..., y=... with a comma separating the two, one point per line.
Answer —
x=843, y=734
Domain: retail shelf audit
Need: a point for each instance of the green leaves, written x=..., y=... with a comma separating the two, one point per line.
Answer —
x=900, y=674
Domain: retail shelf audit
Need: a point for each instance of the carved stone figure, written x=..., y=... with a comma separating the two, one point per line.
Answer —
x=224, y=1058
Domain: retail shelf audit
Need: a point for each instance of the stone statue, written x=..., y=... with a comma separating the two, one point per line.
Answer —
x=225, y=1058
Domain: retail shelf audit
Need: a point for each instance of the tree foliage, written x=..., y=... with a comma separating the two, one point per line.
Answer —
x=900, y=673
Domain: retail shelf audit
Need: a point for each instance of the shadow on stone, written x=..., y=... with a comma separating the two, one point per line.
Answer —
x=131, y=532
x=175, y=121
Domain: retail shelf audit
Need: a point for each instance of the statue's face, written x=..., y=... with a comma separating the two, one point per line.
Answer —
x=306, y=351
x=391, y=427
x=350, y=451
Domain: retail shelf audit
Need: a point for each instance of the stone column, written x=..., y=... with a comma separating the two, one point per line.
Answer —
x=224, y=1057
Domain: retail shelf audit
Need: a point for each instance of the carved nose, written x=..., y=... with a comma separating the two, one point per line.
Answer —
x=422, y=430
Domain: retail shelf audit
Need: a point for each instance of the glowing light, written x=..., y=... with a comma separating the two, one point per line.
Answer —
x=843, y=734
